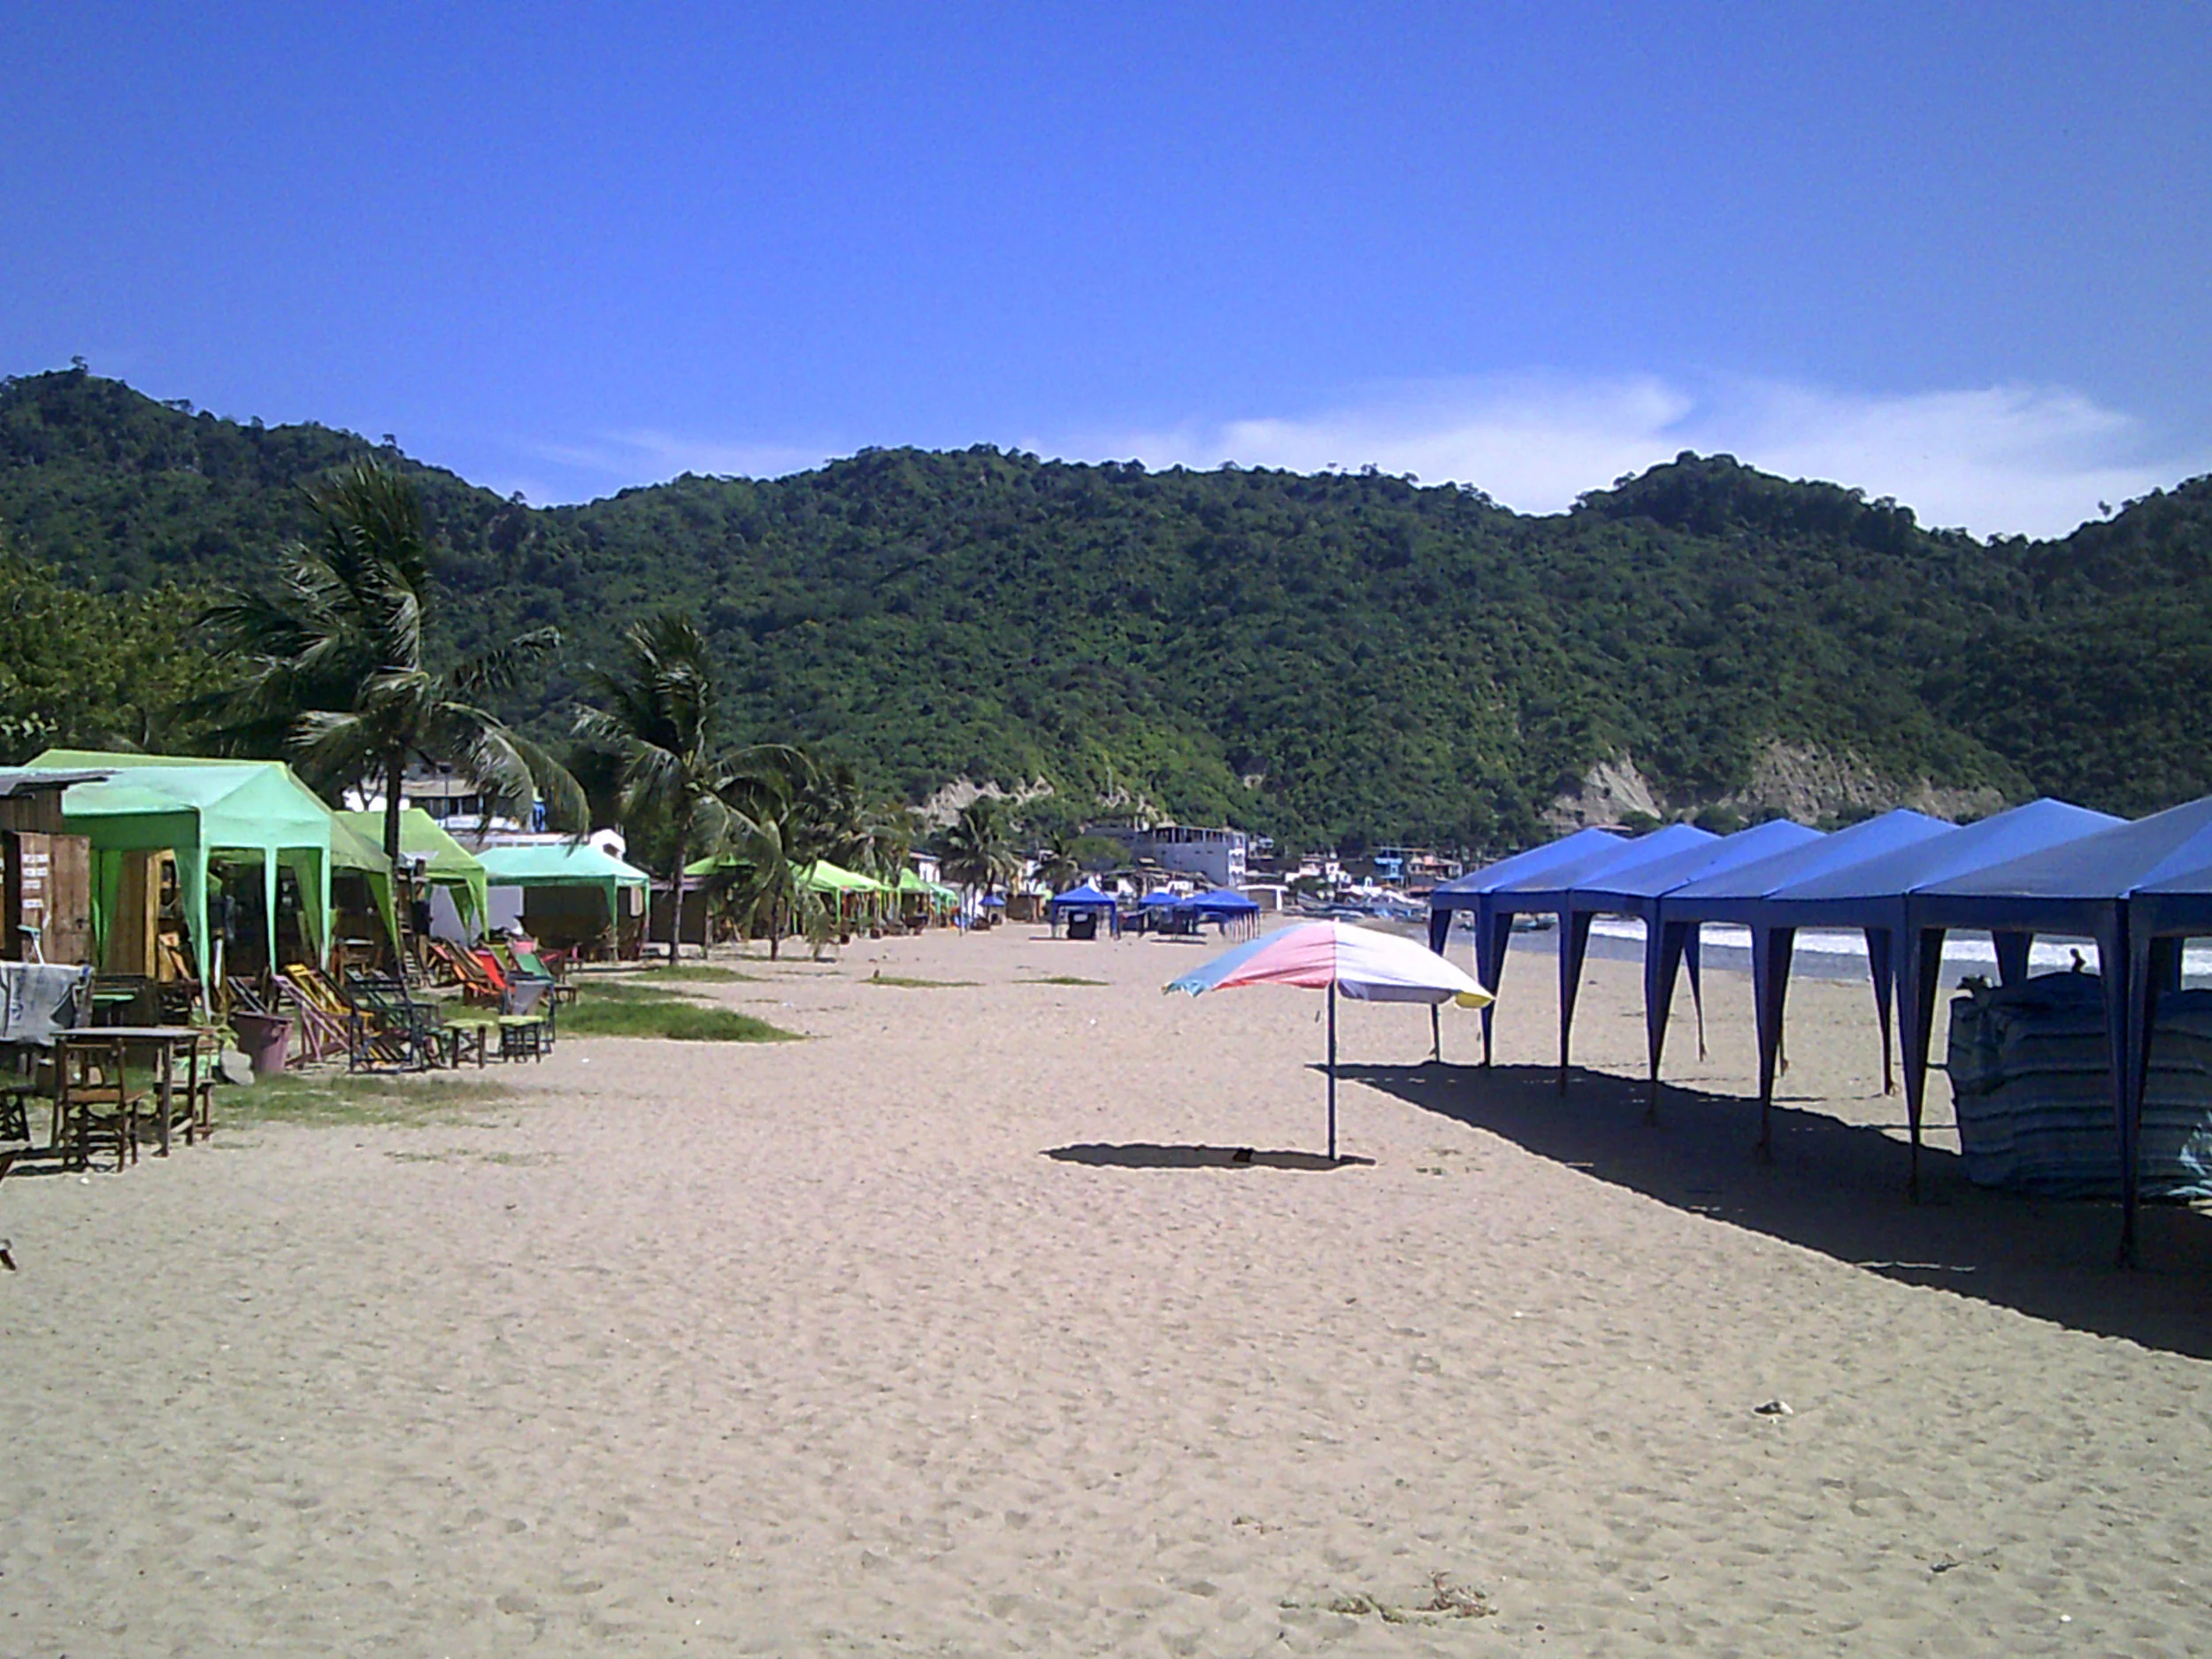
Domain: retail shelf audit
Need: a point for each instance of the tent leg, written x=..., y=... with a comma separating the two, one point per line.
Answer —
x=1331, y=1070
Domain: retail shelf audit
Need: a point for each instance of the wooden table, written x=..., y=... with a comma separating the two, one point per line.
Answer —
x=164, y=1041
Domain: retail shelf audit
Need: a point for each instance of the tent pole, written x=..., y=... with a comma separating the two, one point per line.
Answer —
x=1331, y=1070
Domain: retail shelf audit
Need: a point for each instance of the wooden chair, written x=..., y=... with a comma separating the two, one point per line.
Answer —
x=95, y=1107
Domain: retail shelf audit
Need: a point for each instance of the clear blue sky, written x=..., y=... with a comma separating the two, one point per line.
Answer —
x=1957, y=253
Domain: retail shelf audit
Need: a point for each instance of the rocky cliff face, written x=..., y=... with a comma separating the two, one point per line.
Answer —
x=1798, y=781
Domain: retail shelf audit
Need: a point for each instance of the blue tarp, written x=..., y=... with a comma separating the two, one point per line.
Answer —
x=1544, y=889
x=2082, y=886
x=1636, y=891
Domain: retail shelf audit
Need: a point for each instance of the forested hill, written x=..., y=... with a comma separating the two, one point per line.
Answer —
x=1332, y=657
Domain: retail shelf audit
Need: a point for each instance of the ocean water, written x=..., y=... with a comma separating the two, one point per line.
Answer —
x=1842, y=954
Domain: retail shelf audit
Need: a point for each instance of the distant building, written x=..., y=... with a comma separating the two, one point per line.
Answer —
x=1215, y=855
x=449, y=797
x=1413, y=866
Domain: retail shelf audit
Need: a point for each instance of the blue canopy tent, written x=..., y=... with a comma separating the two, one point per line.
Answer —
x=1739, y=895
x=1467, y=893
x=1551, y=892
x=1636, y=891
x=2081, y=886
x=1227, y=908
x=2161, y=915
x=1869, y=894
x=1085, y=901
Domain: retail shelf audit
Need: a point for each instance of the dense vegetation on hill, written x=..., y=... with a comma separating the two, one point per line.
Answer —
x=1330, y=657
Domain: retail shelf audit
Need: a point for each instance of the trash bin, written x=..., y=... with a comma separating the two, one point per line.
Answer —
x=265, y=1038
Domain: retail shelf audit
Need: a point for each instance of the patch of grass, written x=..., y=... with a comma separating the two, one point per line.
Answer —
x=902, y=982
x=338, y=1098
x=647, y=1013
x=1060, y=979
x=627, y=992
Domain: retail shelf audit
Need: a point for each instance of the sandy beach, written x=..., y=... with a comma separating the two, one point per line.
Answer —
x=954, y=1329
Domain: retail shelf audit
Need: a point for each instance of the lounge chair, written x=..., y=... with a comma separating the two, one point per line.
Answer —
x=307, y=998
x=387, y=1029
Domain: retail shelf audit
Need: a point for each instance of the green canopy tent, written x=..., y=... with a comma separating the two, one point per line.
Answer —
x=445, y=862
x=246, y=811
x=821, y=876
x=912, y=886
x=563, y=864
x=818, y=877
x=825, y=877
x=360, y=855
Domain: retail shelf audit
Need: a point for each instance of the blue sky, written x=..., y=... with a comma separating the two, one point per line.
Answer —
x=1958, y=254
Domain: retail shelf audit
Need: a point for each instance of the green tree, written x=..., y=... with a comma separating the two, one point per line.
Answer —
x=975, y=849
x=661, y=723
x=1058, y=865
x=759, y=879
x=333, y=665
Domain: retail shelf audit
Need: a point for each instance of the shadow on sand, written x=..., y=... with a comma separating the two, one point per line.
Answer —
x=1142, y=1157
x=1839, y=1188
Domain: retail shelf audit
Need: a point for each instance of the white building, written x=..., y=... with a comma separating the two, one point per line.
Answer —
x=1214, y=855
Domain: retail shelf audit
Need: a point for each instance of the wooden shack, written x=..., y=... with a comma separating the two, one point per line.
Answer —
x=45, y=872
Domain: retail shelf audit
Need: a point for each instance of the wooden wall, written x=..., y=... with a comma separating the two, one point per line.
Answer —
x=46, y=887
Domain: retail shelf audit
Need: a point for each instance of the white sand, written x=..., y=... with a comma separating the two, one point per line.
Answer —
x=816, y=1348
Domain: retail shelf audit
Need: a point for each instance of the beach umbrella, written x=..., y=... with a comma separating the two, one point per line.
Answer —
x=1362, y=964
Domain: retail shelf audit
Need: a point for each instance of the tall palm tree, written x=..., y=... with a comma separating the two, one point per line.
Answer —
x=335, y=670
x=974, y=849
x=661, y=722
x=1058, y=866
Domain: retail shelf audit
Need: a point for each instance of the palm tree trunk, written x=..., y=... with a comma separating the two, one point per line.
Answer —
x=676, y=910
x=395, y=773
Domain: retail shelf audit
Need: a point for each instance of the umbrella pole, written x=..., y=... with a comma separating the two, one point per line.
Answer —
x=1331, y=1070
x=1436, y=1033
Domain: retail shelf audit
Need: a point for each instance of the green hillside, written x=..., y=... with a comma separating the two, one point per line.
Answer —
x=1331, y=658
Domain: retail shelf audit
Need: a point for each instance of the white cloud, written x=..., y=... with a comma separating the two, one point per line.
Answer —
x=643, y=456
x=1999, y=459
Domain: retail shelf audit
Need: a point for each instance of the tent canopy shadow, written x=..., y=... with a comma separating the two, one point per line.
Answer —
x=1839, y=1188
x=1143, y=1155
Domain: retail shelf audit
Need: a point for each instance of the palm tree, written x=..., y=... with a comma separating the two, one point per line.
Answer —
x=661, y=724
x=337, y=673
x=974, y=849
x=833, y=817
x=758, y=880
x=1058, y=866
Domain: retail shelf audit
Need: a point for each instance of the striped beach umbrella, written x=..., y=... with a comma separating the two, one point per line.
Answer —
x=1364, y=964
